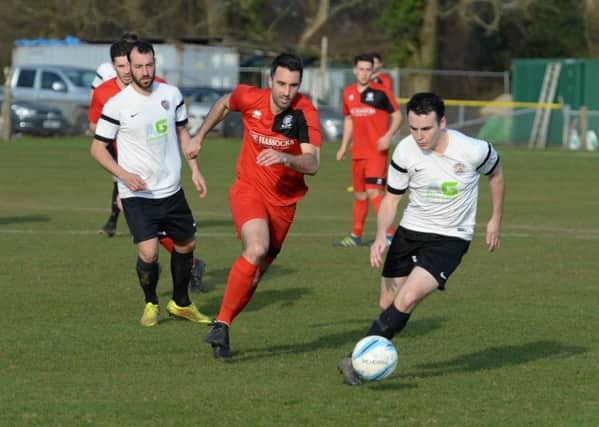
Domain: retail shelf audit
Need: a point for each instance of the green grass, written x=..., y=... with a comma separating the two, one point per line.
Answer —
x=513, y=341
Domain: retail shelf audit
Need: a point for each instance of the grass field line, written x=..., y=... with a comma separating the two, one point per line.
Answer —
x=563, y=233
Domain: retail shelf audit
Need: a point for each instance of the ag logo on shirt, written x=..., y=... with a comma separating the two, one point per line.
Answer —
x=157, y=133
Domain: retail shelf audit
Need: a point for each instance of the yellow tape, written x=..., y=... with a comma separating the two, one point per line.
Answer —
x=504, y=104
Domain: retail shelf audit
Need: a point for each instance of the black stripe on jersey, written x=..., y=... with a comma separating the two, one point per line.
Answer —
x=103, y=139
x=292, y=124
x=377, y=99
x=181, y=123
x=395, y=190
x=486, y=158
x=110, y=120
x=494, y=166
x=376, y=181
x=397, y=167
x=179, y=105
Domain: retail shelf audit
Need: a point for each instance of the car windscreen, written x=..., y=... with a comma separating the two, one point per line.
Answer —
x=81, y=78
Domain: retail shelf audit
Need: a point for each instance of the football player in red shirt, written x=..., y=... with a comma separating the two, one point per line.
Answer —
x=372, y=117
x=101, y=95
x=281, y=143
x=377, y=75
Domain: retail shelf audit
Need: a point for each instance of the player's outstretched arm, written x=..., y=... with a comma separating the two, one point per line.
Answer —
x=217, y=113
x=385, y=141
x=348, y=127
x=196, y=176
x=497, y=186
x=307, y=162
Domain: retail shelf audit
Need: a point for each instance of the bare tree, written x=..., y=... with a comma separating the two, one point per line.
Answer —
x=590, y=10
x=318, y=13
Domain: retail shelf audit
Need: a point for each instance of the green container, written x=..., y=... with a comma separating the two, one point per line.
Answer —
x=527, y=80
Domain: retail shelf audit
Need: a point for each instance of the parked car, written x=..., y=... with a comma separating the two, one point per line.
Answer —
x=199, y=100
x=331, y=124
x=34, y=119
x=64, y=87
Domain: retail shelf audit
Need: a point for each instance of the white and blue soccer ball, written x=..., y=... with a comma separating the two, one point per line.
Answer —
x=374, y=358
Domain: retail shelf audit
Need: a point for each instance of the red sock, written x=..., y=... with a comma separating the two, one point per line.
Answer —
x=167, y=243
x=239, y=289
x=376, y=204
x=359, y=217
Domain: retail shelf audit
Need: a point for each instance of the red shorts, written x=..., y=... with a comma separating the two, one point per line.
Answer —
x=247, y=204
x=369, y=173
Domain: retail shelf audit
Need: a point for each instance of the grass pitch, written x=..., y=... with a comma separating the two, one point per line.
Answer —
x=513, y=341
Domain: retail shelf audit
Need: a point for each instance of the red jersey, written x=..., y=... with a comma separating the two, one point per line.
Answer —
x=299, y=124
x=383, y=79
x=102, y=94
x=369, y=112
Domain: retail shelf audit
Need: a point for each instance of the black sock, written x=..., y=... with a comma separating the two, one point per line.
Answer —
x=148, y=279
x=390, y=322
x=181, y=271
x=114, y=212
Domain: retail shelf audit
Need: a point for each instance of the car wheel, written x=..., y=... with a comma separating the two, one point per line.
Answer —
x=80, y=124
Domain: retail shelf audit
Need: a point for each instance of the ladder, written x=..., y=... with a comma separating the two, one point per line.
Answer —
x=538, y=135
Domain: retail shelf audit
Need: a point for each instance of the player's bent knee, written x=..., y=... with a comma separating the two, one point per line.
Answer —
x=185, y=247
x=255, y=253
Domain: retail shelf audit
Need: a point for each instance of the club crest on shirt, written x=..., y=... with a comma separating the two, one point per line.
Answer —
x=257, y=114
x=287, y=122
x=351, y=96
x=165, y=104
x=459, y=167
x=369, y=97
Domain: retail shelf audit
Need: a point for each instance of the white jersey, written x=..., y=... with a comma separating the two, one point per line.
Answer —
x=104, y=72
x=147, y=135
x=443, y=188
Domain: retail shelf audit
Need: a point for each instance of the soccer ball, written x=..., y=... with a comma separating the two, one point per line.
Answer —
x=374, y=358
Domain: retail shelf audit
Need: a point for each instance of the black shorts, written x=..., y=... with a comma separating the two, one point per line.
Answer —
x=439, y=255
x=147, y=218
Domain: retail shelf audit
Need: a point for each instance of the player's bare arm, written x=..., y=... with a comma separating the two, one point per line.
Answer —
x=100, y=153
x=348, y=127
x=217, y=113
x=384, y=142
x=196, y=176
x=384, y=219
x=307, y=162
x=497, y=186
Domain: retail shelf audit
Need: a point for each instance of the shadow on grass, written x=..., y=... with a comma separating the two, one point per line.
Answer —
x=209, y=302
x=215, y=279
x=497, y=357
x=344, y=340
x=23, y=219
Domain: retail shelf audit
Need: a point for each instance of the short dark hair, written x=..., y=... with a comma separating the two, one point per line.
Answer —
x=130, y=37
x=363, y=57
x=376, y=55
x=287, y=60
x=424, y=103
x=119, y=48
x=142, y=46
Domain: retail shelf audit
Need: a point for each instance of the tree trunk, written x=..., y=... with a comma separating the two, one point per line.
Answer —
x=591, y=26
x=425, y=56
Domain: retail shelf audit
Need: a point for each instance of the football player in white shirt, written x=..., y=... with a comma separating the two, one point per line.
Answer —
x=150, y=118
x=440, y=168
